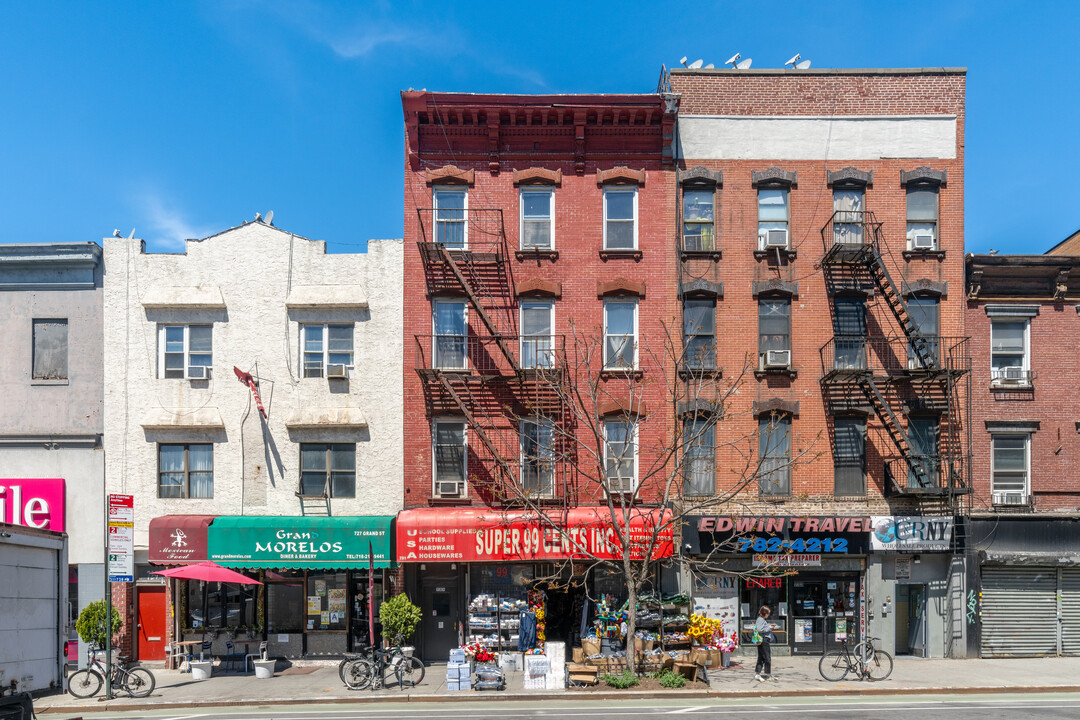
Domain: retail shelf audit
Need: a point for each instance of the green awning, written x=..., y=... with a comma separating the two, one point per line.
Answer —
x=324, y=543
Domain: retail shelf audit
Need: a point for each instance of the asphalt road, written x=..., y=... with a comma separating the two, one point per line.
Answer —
x=963, y=707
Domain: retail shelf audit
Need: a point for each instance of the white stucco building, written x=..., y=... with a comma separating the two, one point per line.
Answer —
x=321, y=337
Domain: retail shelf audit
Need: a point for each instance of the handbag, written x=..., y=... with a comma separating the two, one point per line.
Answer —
x=756, y=637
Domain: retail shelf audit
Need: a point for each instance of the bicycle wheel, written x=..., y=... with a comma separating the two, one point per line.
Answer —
x=358, y=674
x=834, y=666
x=864, y=652
x=880, y=666
x=341, y=669
x=410, y=672
x=84, y=683
x=139, y=682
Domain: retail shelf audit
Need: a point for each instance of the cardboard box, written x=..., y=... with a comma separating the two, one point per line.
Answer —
x=687, y=670
x=579, y=655
x=643, y=645
x=590, y=646
x=457, y=655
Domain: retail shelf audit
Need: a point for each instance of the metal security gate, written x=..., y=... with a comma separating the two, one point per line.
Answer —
x=1019, y=611
x=1070, y=611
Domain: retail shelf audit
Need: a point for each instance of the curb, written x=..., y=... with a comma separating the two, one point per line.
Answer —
x=583, y=695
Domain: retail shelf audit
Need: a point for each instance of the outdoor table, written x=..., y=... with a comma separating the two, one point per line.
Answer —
x=178, y=650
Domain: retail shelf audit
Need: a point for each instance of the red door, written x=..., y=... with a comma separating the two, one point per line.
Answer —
x=151, y=623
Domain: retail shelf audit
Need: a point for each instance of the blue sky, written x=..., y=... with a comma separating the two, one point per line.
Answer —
x=183, y=118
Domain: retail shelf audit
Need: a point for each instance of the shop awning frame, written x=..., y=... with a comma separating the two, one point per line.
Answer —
x=179, y=539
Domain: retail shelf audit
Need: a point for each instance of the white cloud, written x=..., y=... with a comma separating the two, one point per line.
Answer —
x=169, y=228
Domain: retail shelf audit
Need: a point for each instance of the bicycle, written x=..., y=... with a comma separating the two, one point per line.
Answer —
x=368, y=669
x=136, y=682
x=877, y=664
x=864, y=660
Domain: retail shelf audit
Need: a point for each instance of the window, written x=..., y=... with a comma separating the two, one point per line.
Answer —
x=774, y=451
x=450, y=457
x=774, y=332
x=328, y=470
x=186, y=471
x=699, y=456
x=330, y=590
x=538, y=457
x=620, y=219
x=922, y=217
x=451, y=332
x=849, y=460
x=285, y=601
x=220, y=605
x=182, y=349
x=923, y=433
x=698, y=223
x=699, y=333
x=1009, y=360
x=849, y=324
x=620, y=334
x=620, y=455
x=451, y=206
x=924, y=312
x=1010, y=468
x=537, y=340
x=848, y=207
x=328, y=349
x=537, y=219
x=50, y=361
x=773, y=218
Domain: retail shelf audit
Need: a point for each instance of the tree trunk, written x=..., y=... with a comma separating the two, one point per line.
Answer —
x=631, y=611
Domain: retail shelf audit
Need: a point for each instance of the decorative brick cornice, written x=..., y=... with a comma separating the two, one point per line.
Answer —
x=700, y=175
x=776, y=286
x=700, y=286
x=775, y=176
x=776, y=405
x=620, y=286
x=700, y=407
x=924, y=174
x=622, y=175
x=621, y=405
x=1018, y=426
x=451, y=175
x=538, y=176
x=851, y=176
x=928, y=287
x=534, y=287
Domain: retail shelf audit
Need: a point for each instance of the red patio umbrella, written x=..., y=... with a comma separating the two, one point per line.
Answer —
x=209, y=571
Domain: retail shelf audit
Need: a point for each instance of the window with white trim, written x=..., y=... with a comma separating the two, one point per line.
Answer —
x=620, y=455
x=773, y=218
x=538, y=457
x=183, y=347
x=698, y=219
x=449, y=440
x=326, y=349
x=186, y=470
x=451, y=207
x=537, y=334
x=848, y=206
x=620, y=218
x=699, y=333
x=537, y=219
x=620, y=334
x=328, y=470
x=774, y=454
x=922, y=217
x=699, y=456
x=451, y=334
x=1010, y=468
x=774, y=332
x=1009, y=358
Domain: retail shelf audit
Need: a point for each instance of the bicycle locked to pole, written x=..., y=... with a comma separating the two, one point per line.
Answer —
x=864, y=660
x=135, y=681
x=369, y=667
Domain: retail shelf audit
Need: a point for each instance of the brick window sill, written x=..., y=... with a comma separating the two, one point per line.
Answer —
x=449, y=502
x=537, y=254
x=787, y=253
x=713, y=255
x=608, y=374
x=703, y=373
x=634, y=255
x=938, y=255
x=777, y=372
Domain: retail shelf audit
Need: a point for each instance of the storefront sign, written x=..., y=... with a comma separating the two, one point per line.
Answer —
x=716, y=596
x=791, y=560
x=300, y=542
x=33, y=502
x=911, y=533
x=121, y=538
x=469, y=535
x=179, y=539
x=775, y=535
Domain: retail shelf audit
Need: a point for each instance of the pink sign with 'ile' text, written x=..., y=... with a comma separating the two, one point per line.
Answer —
x=33, y=502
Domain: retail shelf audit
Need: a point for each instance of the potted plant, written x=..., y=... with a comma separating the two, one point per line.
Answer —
x=91, y=624
x=400, y=618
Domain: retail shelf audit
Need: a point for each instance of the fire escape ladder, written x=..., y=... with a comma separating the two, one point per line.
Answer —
x=896, y=431
x=466, y=407
x=470, y=293
x=920, y=346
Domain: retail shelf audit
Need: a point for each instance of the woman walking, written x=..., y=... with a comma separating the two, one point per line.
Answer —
x=763, y=669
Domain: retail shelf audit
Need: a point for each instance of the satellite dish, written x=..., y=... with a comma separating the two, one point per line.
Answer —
x=793, y=60
x=710, y=66
x=683, y=61
x=269, y=220
x=696, y=64
x=258, y=217
x=733, y=59
x=745, y=64
x=805, y=64
x=116, y=233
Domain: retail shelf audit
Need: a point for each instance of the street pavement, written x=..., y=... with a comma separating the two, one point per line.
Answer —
x=796, y=679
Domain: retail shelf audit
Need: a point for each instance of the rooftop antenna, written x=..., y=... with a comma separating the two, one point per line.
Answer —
x=258, y=217
x=696, y=64
x=796, y=65
x=745, y=64
x=132, y=235
x=269, y=220
x=116, y=233
x=733, y=59
x=793, y=60
x=683, y=61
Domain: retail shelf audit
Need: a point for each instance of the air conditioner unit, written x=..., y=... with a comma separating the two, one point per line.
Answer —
x=776, y=238
x=619, y=486
x=449, y=488
x=337, y=370
x=923, y=241
x=1010, y=498
x=198, y=372
x=1013, y=373
x=778, y=358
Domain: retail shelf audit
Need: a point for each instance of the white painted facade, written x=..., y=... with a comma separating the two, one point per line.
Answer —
x=255, y=284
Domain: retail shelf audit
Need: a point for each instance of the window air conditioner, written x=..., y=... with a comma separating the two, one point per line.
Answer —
x=198, y=372
x=449, y=488
x=1010, y=498
x=923, y=241
x=776, y=238
x=778, y=358
x=618, y=486
x=337, y=370
x=1013, y=373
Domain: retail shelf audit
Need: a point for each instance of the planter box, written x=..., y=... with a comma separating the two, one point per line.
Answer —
x=201, y=669
x=264, y=669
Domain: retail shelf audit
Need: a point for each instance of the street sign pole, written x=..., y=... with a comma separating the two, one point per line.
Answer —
x=108, y=611
x=119, y=564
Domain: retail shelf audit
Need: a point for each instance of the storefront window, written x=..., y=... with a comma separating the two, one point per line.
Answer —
x=771, y=591
x=285, y=605
x=497, y=595
x=326, y=601
x=220, y=605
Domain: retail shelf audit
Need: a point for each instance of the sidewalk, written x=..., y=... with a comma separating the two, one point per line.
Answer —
x=794, y=676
